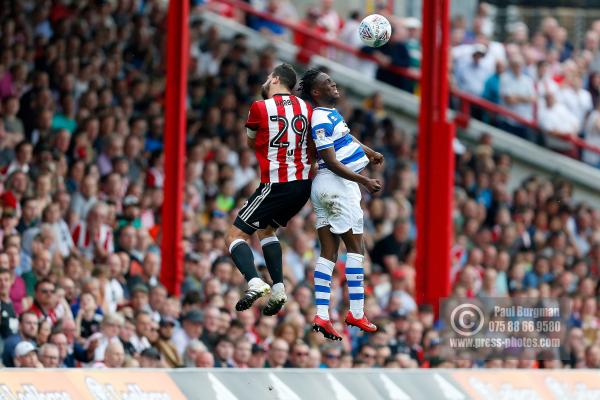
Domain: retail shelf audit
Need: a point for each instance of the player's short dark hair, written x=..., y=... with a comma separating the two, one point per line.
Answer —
x=286, y=74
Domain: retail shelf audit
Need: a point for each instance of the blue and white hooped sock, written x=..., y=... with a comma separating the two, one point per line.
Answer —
x=355, y=277
x=323, y=272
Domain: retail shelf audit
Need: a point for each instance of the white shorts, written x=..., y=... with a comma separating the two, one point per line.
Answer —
x=337, y=203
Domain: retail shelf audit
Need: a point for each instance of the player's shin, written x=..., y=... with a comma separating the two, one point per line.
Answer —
x=323, y=272
x=244, y=259
x=355, y=277
x=273, y=258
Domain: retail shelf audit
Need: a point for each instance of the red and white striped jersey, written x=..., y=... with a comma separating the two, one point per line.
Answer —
x=282, y=125
x=85, y=243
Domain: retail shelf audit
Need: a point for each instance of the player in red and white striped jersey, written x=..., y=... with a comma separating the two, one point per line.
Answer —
x=278, y=130
x=279, y=126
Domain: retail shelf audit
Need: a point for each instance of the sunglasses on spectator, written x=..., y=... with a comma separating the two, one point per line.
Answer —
x=332, y=356
x=47, y=291
x=368, y=355
x=301, y=354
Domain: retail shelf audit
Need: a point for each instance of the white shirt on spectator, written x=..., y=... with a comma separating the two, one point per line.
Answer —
x=80, y=205
x=592, y=136
x=348, y=35
x=180, y=340
x=558, y=119
x=471, y=77
x=113, y=294
x=544, y=86
x=139, y=343
x=522, y=85
x=243, y=176
x=578, y=101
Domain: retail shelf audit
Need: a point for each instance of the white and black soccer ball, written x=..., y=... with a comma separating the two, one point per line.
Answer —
x=375, y=30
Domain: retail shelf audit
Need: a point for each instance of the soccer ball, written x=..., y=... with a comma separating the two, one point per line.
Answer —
x=375, y=30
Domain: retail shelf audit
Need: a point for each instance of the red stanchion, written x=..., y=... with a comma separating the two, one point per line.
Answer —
x=171, y=274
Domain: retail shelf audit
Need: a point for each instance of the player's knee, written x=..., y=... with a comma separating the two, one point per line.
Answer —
x=354, y=246
x=234, y=234
x=265, y=233
x=329, y=254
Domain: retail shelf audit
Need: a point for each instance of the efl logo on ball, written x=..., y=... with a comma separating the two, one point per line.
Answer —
x=375, y=30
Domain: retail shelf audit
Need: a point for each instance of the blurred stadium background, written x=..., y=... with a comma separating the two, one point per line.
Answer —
x=97, y=273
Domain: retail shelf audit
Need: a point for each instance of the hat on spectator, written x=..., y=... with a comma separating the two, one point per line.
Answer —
x=139, y=287
x=195, y=316
x=130, y=200
x=257, y=348
x=480, y=48
x=399, y=314
x=164, y=321
x=193, y=257
x=24, y=348
x=151, y=353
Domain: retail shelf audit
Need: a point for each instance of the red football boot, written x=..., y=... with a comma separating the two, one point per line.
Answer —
x=324, y=326
x=362, y=323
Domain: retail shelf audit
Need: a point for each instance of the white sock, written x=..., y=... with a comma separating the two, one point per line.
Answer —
x=354, y=278
x=278, y=288
x=323, y=271
x=254, y=282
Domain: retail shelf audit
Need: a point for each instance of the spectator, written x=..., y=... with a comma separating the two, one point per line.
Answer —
x=114, y=356
x=8, y=318
x=308, y=45
x=299, y=353
x=40, y=270
x=150, y=358
x=268, y=27
x=26, y=356
x=165, y=345
x=224, y=351
x=242, y=353
x=592, y=134
x=44, y=301
x=367, y=356
x=60, y=341
x=143, y=325
x=576, y=99
x=49, y=356
x=191, y=352
x=331, y=355
x=557, y=121
x=471, y=76
x=394, y=248
x=278, y=354
x=517, y=94
x=205, y=359
x=191, y=328
x=258, y=357
x=393, y=53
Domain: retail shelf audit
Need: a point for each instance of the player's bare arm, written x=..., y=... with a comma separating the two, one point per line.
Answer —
x=335, y=166
x=375, y=157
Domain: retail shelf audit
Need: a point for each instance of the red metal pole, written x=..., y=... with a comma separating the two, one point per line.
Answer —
x=436, y=159
x=171, y=274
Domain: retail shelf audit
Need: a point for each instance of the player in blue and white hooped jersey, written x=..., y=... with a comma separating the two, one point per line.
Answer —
x=336, y=197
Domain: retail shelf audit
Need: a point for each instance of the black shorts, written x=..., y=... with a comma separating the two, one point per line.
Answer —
x=273, y=204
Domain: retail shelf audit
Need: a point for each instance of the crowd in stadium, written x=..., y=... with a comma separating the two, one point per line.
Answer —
x=81, y=91
x=538, y=74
